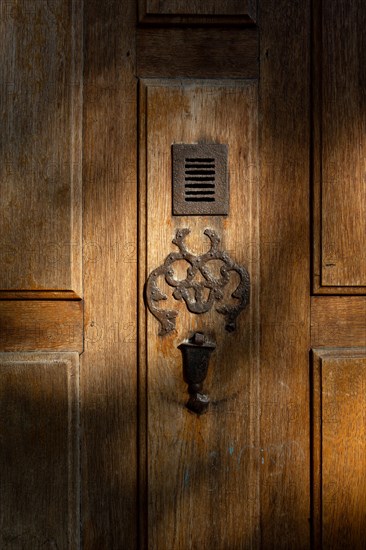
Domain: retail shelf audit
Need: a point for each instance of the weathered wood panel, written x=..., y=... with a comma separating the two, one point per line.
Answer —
x=39, y=455
x=41, y=325
x=202, y=472
x=196, y=7
x=195, y=11
x=338, y=321
x=339, y=448
x=108, y=365
x=340, y=141
x=191, y=53
x=284, y=267
x=40, y=140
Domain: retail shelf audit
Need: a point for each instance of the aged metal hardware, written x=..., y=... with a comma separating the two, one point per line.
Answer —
x=191, y=290
x=196, y=353
x=200, y=180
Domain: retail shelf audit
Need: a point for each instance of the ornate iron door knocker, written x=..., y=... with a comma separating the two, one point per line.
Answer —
x=192, y=293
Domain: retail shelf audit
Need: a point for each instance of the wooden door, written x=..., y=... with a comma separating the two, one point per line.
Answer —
x=98, y=447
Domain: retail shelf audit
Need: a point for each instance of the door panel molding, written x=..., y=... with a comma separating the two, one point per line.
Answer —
x=189, y=465
x=39, y=457
x=41, y=167
x=339, y=129
x=234, y=12
x=339, y=448
x=194, y=53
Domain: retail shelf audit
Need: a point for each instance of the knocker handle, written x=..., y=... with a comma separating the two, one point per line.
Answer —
x=196, y=354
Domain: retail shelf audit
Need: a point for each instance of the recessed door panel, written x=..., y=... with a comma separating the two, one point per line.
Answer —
x=199, y=465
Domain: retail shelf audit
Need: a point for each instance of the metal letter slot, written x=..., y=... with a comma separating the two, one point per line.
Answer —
x=200, y=180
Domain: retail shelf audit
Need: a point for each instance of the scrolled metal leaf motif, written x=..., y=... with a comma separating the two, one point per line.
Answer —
x=193, y=291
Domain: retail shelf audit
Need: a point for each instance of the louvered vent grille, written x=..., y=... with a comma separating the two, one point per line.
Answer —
x=199, y=175
x=200, y=185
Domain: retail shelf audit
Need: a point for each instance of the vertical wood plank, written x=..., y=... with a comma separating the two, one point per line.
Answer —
x=40, y=172
x=108, y=370
x=284, y=265
x=202, y=472
x=39, y=457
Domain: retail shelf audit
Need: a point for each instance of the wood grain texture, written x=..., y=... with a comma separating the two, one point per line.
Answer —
x=38, y=325
x=196, y=12
x=40, y=173
x=108, y=365
x=38, y=295
x=191, y=53
x=338, y=321
x=202, y=472
x=339, y=447
x=195, y=7
x=339, y=145
x=284, y=268
x=39, y=456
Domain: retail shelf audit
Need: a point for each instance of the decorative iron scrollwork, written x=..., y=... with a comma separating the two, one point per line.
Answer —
x=193, y=291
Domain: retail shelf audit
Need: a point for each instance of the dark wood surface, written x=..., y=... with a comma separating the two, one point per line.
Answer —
x=284, y=268
x=195, y=7
x=339, y=145
x=193, y=12
x=197, y=53
x=108, y=374
x=39, y=457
